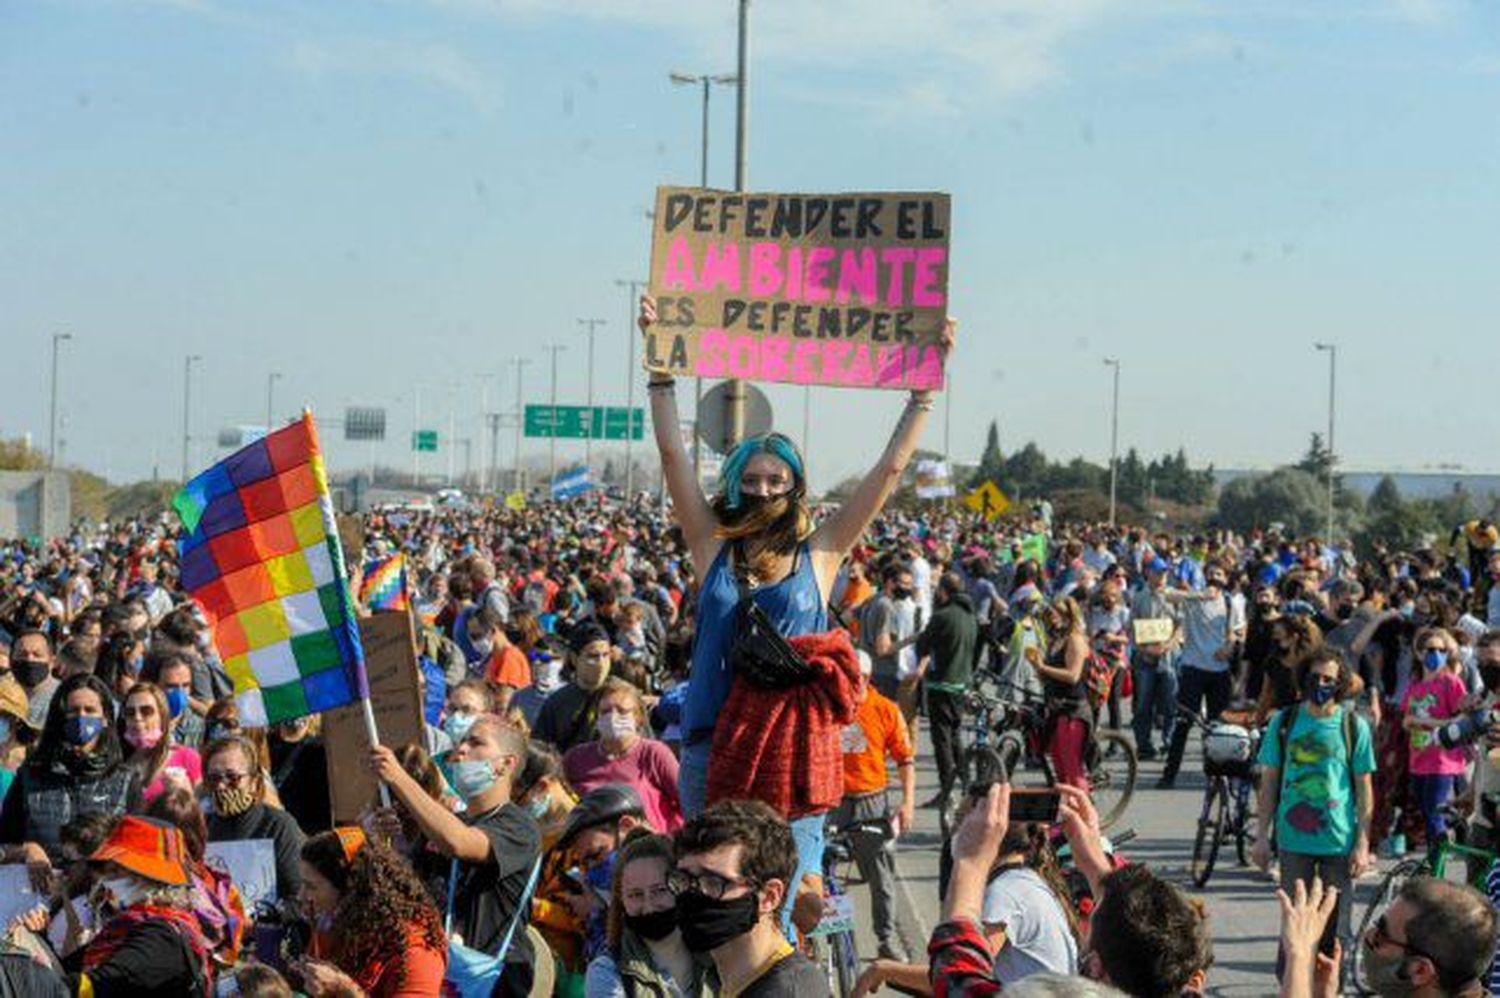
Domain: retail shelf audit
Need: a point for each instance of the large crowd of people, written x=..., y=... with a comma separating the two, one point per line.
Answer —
x=641, y=716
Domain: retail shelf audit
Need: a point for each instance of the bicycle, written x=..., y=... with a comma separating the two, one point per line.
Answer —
x=1477, y=862
x=1229, y=753
x=832, y=939
x=1018, y=723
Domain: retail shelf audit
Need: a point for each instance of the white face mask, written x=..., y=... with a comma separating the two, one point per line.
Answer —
x=616, y=726
x=118, y=893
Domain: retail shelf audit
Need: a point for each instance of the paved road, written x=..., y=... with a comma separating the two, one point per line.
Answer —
x=1241, y=902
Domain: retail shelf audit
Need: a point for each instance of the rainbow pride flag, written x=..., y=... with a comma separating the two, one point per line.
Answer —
x=261, y=556
x=384, y=584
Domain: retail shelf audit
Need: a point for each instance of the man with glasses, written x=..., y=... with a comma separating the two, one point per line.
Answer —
x=1316, y=759
x=1434, y=941
x=735, y=861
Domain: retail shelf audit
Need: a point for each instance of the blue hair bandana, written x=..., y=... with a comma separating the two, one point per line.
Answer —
x=774, y=444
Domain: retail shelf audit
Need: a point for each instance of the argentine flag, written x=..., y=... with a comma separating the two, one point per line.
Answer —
x=574, y=482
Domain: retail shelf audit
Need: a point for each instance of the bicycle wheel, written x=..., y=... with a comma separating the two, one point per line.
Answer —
x=983, y=764
x=1112, y=777
x=1389, y=888
x=845, y=963
x=1210, y=832
x=1242, y=830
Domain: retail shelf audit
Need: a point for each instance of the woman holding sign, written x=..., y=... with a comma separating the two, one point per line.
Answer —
x=757, y=535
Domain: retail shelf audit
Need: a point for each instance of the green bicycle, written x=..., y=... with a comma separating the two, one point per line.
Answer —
x=1477, y=863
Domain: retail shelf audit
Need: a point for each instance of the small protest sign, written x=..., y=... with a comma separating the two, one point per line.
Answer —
x=849, y=290
x=391, y=666
x=250, y=863
x=16, y=895
x=1151, y=630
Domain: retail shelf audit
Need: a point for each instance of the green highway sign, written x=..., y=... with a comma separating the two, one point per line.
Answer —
x=424, y=440
x=580, y=422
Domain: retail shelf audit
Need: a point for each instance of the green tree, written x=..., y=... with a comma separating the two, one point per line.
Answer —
x=991, y=462
x=1290, y=496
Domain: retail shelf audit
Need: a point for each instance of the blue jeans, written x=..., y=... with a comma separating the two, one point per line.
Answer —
x=1432, y=793
x=692, y=776
x=1155, y=699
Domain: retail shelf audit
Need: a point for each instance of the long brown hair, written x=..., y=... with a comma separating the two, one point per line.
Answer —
x=639, y=845
x=150, y=762
x=765, y=531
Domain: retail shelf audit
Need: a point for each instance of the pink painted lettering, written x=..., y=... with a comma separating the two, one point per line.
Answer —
x=818, y=273
x=721, y=268
x=897, y=257
x=677, y=272
x=924, y=291
x=803, y=355
x=710, y=360
x=765, y=269
x=742, y=357
x=858, y=274
x=773, y=362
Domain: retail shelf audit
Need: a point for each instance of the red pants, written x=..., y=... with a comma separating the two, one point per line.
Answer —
x=1067, y=739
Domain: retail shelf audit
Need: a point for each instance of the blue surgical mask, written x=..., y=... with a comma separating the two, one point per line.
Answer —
x=1434, y=659
x=177, y=701
x=80, y=731
x=472, y=777
x=6, y=730
x=457, y=725
x=538, y=806
x=1322, y=694
x=134, y=665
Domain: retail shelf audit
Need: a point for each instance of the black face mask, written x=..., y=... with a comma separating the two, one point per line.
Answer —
x=900, y=593
x=653, y=925
x=1489, y=672
x=29, y=673
x=1344, y=612
x=707, y=923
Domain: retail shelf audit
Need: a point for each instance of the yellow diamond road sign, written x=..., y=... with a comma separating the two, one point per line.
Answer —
x=987, y=500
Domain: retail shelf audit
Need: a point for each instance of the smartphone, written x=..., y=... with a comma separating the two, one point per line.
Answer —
x=1026, y=803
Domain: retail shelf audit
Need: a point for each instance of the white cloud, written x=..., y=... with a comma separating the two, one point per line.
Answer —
x=436, y=65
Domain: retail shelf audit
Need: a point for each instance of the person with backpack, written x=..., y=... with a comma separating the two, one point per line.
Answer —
x=1316, y=759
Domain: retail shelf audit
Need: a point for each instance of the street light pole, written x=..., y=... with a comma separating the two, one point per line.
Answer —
x=520, y=364
x=633, y=290
x=1114, y=437
x=734, y=396
x=187, y=408
x=554, y=350
x=1333, y=354
x=57, y=339
x=271, y=380
x=588, y=441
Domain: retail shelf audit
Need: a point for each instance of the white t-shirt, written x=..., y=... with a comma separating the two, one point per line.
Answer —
x=1036, y=929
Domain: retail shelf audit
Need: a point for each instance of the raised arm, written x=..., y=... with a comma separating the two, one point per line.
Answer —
x=841, y=531
x=691, y=508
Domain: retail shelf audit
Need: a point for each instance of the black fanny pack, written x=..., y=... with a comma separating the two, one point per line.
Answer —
x=760, y=654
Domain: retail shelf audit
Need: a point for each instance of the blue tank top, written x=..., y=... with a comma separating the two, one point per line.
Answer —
x=794, y=606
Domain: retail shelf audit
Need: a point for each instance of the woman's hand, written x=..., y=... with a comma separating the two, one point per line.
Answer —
x=38, y=866
x=324, y=980
x=33, y=920
x=647, y=316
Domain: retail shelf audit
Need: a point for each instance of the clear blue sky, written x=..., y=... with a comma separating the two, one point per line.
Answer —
x=374, y=196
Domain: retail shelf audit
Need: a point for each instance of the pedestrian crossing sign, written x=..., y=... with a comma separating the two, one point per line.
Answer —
x=987, y=500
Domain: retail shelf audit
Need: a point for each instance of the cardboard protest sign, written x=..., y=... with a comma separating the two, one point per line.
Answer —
x=250, y=863
x=848, y=290
x=934, y=480
x=391, y=665
x=16, y=895
x=1151, y=630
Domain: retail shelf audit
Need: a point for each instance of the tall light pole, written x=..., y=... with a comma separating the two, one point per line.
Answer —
x=706, y=80
x=57, y=339
x=632, y=290
x=588, y=442
x=554, y=350
x=187, y=408
x=520, y=365
x=1114, y=437
x=734, y=395
x=1333, y=356
x=271, y=380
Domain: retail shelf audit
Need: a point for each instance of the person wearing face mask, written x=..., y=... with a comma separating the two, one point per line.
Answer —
x=1431, y=701
x=467, y=702
x=734, y=862
x=1316, y=759
x=149, y=940
x=236, y=786
x=172, y=670
x=620, y=754
x=299, y=771
x=546, y=679
x=377, y=932
x=31, y=666
x=1213, y=624
x=120, y=662
x=76, y=766
x=143, y=727
x=568, y=717
x=495, y=842
x=1434, y=941
x=644, y=953
x=884, y=631
x=500, y=663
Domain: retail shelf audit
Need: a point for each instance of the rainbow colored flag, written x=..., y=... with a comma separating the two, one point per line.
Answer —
x=384, y=583
x=261, y=556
